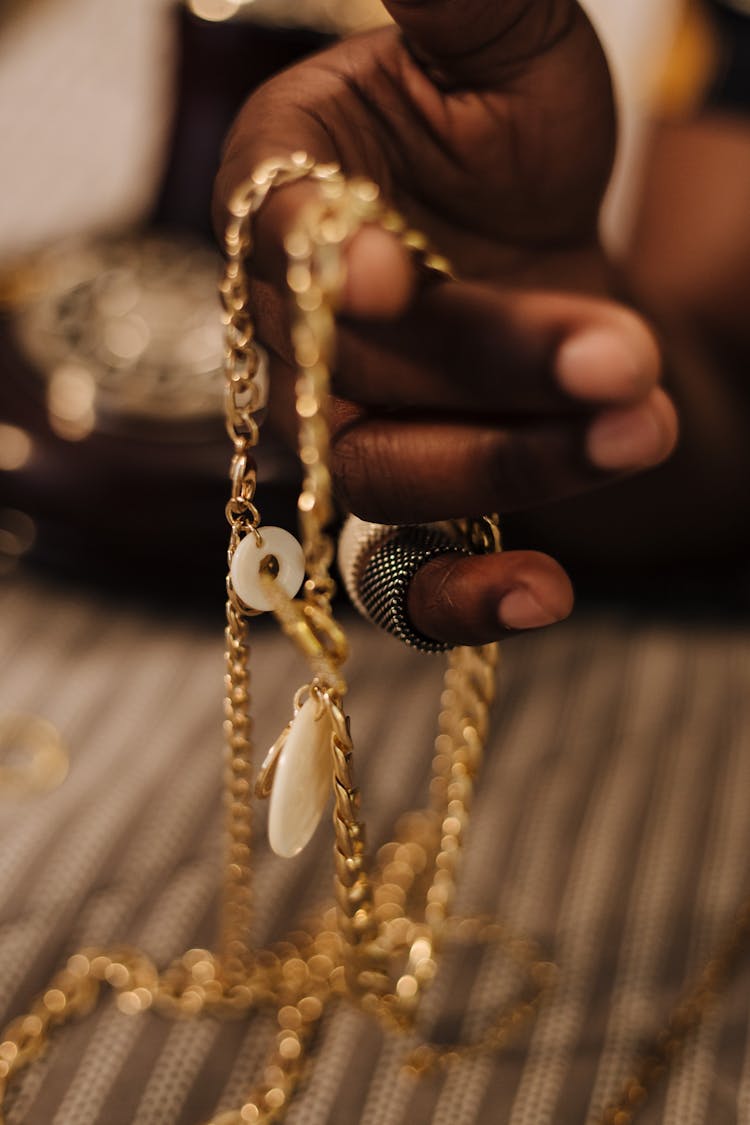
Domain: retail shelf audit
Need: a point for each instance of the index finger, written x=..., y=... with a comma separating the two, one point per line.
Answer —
x=476, y=348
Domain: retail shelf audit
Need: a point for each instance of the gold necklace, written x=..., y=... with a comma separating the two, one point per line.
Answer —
x=380, y=944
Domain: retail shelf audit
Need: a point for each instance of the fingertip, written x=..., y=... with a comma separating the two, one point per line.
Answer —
x=670, y=421
x=380, y=275
x=630, y=438
x=543, y=600
x=617, y=361
x=482, y=598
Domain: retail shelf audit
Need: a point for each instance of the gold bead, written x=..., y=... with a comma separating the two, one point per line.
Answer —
x=129, y=1003
x=407, y=987
x=274, y=1098
x=273, y=1075
x=117, y=974
x=311, y=1007
x=79, y=965
x=32, y=1026
x=290, y=1048
x=54, y=1000
x=289, y=1017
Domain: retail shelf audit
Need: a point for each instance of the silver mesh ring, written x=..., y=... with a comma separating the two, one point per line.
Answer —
x=378, y=562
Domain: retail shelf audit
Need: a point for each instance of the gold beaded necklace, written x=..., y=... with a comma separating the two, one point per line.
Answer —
x=380, y=944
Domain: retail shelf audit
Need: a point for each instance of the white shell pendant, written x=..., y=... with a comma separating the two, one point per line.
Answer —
x=301, y=780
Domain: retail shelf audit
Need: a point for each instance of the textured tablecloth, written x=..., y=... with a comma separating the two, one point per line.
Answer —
x=611, y=825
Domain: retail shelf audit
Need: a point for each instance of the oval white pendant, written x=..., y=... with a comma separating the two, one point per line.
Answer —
x=301, y=781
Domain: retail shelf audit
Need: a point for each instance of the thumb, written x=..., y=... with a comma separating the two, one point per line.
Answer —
x=481, y=41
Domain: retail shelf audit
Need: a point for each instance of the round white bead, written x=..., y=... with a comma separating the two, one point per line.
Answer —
x=301, y=782
x=248, y=561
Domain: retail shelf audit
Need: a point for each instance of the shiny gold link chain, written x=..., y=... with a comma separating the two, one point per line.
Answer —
x=385, y=957
x=242, y=403
x=380, y=944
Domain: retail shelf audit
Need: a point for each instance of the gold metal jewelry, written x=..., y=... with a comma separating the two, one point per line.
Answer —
x=380, y=944
x=33, y=757
x=330, y=16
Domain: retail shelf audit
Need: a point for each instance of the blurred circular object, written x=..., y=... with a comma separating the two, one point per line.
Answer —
x=336, y=17
x=33, y=757
x=124, y=330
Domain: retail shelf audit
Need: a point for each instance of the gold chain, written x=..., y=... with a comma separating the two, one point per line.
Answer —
x=379, y=945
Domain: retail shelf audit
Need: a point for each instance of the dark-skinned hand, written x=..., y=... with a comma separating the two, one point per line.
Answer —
x=489, y=124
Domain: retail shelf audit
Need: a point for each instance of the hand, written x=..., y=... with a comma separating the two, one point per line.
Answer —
x=490, y=126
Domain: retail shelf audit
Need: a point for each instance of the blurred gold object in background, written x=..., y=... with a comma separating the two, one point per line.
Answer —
x=338, y=17
x=33, y=758
x=691, y=65
x=124, y=327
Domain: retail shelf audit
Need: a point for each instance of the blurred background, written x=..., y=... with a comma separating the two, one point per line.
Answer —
x=111, y=119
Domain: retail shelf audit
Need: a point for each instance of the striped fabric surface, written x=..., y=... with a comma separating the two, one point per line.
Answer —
x=611, y=825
